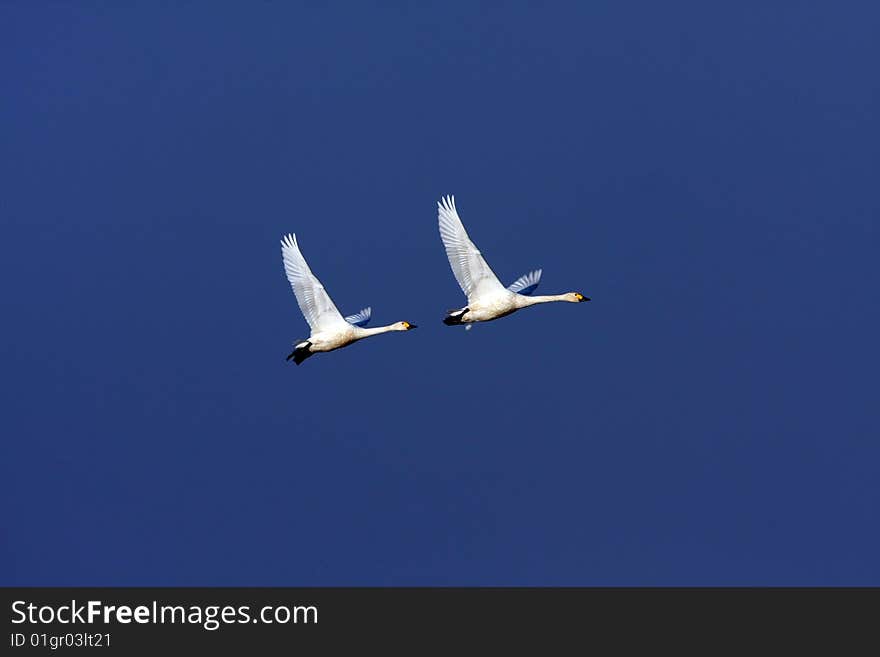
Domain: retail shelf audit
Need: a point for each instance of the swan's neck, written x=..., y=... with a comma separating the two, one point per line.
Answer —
x=376, y=330
x=525, y=301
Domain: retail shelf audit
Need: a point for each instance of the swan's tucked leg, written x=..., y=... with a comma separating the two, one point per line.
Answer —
x=454, y=317
x=300, y=352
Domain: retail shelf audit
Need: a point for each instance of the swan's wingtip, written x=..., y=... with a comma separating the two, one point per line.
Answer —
x=447, y=202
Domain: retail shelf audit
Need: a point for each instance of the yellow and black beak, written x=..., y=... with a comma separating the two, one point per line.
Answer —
x=580, y=297
x=410, y=326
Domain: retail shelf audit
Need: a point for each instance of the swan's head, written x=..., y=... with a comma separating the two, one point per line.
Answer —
x=576, y=297
x=404, y=326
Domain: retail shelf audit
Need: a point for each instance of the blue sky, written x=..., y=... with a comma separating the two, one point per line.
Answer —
x=707, y=174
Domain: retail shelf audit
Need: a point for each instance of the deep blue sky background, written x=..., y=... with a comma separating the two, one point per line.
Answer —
x=707, y=174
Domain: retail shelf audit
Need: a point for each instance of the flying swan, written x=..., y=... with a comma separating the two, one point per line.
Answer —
x=487, y=298
x=329, y=329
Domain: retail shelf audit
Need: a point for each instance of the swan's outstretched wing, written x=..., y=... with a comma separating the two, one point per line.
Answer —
x=313, y=300
x=360, y=318
x=474, y=276
x=526, y=283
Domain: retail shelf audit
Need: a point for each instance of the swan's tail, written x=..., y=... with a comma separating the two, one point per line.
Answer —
x=300, y=352
x=454, y=317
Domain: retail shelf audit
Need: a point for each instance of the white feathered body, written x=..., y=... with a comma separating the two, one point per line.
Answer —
x=330, y=340
x=494, y=306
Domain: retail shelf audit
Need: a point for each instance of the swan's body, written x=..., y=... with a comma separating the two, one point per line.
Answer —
x=487, y=298
x=329, y=329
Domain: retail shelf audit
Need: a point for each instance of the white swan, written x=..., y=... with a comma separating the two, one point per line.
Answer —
x=487, y=298
x=329, y=329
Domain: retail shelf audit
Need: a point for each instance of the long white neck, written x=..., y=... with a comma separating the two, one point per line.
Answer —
x=360, y=332
x=524, y=301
